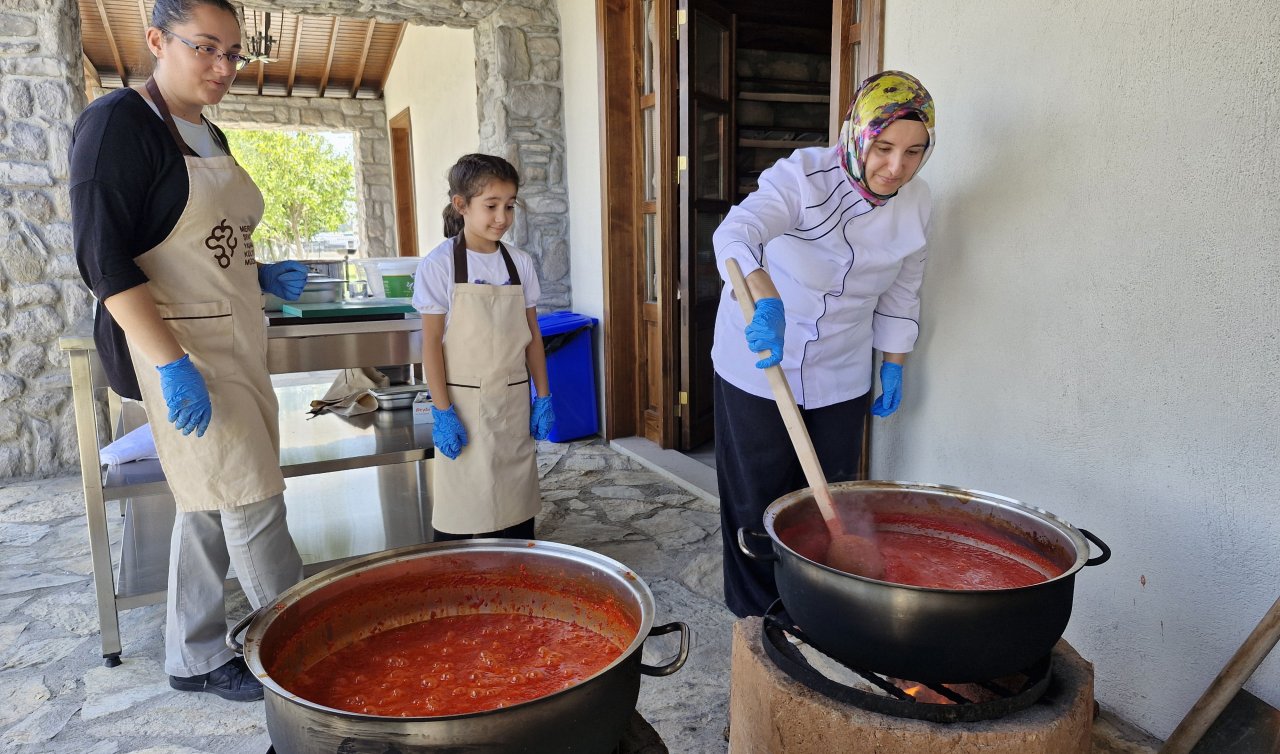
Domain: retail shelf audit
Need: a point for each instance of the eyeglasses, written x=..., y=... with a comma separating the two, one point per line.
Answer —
x=235, y=58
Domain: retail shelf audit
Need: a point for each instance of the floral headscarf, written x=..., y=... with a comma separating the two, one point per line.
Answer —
x=883, y=98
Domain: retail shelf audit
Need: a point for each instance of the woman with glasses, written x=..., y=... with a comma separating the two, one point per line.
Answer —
x=162, y=220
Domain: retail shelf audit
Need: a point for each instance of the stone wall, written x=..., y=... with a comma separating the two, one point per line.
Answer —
x=366, y=118
x=520, y=102
x=41, y=84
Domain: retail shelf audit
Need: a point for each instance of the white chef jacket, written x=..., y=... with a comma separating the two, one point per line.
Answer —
x=848, y=273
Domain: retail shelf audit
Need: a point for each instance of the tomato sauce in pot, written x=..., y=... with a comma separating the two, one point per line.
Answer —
x=922, y=551
x=456, y=665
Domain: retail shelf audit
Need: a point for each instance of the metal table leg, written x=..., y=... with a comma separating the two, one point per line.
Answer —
x=95, y=505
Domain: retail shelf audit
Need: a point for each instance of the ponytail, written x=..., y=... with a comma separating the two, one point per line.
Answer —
x=452, y=221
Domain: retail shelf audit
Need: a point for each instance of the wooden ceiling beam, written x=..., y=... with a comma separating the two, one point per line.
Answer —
x=391, y=59
x=328, y=59
x=293, y=62
x=364, y=57
x=111, y=40
x=142, y=13
x=91, y=71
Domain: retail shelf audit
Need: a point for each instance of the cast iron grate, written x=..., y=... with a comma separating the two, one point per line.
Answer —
x=932, y=702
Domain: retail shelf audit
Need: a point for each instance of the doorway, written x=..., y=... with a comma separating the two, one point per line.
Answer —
x=698, y=100
x=401, y=129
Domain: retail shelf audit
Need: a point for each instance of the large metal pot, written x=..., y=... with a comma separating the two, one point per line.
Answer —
x=344, y=604
x=925, y=634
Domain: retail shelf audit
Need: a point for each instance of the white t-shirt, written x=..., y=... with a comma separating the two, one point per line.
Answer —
x=433, y=280
x=198, y=136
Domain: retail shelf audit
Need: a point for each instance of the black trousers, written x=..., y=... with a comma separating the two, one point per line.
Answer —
x=755, y=465
x=522, y=530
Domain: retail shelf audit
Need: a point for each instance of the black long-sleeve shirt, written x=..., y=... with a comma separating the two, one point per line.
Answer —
x=129, y=186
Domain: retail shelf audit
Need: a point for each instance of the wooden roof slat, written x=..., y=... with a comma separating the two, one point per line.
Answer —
x=328, y=62
x=111, y=39
x=386, y=70
x=293, y=62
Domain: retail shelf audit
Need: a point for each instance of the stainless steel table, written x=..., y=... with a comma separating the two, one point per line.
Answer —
x=355, y=485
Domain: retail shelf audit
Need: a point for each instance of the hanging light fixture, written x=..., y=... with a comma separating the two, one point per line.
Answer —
x=261, y=41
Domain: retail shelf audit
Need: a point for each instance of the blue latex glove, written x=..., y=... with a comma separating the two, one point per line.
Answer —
x=890, y=389
x=186, y=395
x=766, y=330
x=283, y=279
x=541, y=418
x=447, y=432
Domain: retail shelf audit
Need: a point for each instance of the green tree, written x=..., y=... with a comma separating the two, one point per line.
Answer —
x=307, y=185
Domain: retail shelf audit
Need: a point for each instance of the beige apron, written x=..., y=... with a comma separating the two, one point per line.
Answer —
x=493, y=483
x=204, y=280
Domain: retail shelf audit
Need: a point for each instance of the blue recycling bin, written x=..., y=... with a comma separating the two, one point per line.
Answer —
x=571, y=374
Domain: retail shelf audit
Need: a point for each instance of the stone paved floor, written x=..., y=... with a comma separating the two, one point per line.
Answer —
x=56, y=696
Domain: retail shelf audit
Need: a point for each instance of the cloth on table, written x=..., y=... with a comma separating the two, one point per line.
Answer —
x=349, y=394
x=132, y=446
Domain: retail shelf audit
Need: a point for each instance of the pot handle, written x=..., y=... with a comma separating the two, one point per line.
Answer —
x=234, y=644
x=746, y=548
x=1106, y=551
x=681, y=656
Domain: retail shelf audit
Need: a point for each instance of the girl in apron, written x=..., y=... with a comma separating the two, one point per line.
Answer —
x=162, y=223
x=481, y=347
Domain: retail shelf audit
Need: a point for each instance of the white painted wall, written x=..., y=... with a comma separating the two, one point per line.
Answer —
x=434, y=75
x=581, y=81
x=1101, y=332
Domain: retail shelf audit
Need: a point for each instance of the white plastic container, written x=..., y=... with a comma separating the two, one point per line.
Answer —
x=376, y=269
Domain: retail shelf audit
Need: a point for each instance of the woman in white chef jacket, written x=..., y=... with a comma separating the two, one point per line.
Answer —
x=162, y=221
x=833, y=248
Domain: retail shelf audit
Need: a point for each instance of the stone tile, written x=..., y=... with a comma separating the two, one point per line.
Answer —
x=39, y=653
x=624, y=510
x=110, y=690
x=72, y=611
x=22, y=535
x=675, y=527
x=17, y=580
x=9, y=633
x=37, y=511
x=42, y=725
x=191, y=716
x=9, y=604
x=619, y=492
x=20, y=695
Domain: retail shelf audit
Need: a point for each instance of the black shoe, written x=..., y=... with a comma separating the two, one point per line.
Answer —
x=232, y=681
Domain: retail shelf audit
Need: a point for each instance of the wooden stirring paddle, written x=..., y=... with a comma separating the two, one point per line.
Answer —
x=851, y=553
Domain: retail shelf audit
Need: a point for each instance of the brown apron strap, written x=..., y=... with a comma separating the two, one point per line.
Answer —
x=163, y=107
x=460, y=261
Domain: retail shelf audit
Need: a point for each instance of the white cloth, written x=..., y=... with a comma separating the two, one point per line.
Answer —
x=132, y=446
x=849, y=276
x=198, y=136
x=433, y=280
x=255, y=540
x=349, y=394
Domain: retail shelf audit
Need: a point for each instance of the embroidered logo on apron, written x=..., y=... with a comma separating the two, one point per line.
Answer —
x=222, y=240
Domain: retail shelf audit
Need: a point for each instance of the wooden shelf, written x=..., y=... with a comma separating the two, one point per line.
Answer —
x=784, y=97
x=778, y=144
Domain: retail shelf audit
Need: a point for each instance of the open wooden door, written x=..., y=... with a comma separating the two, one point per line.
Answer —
x=706, y=91
x=402, y=181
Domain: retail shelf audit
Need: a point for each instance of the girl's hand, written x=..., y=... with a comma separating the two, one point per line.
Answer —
x=541, y=418
x=447, y=432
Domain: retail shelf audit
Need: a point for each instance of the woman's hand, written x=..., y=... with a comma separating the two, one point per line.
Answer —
x=890, y=389
x=283, y=279
x=541, y=418
x=447, y=432
x=186, y=395
x=766, y=330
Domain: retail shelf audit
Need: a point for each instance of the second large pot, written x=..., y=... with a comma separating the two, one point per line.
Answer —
x=918, y=633
x=337, y=607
